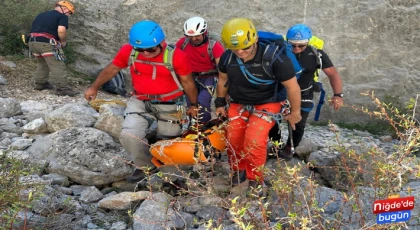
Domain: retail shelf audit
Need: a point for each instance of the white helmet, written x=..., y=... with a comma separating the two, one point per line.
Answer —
x=195, y=26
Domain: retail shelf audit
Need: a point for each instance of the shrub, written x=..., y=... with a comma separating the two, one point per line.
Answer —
x=16, y=18
x=11, y=202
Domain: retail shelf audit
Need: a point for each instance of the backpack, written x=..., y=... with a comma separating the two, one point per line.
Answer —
x=116, y=85
x=213, y=38
x=275, y=46
x=167, y=62
x=316, y=44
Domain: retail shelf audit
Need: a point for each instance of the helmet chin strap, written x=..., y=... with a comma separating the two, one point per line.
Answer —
x=253, y=49
x=62, y=11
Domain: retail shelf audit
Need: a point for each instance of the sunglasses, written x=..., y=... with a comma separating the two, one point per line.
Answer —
x=149, y=50
x=299, y=46
x=247, y=48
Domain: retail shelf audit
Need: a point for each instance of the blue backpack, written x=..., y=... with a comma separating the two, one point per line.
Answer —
x=275, y=42
x=275, y=46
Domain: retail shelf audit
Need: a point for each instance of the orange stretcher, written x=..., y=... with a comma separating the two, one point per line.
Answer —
x=192, y=147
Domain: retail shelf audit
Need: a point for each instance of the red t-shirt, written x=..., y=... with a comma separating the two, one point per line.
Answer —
x=143, y=82
x=199, y=58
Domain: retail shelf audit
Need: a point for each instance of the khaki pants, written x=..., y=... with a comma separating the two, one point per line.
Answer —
x=49, y=69
x=143, y=120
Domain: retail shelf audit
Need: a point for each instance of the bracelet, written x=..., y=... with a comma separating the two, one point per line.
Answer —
x=220, y=102
x=194, y=104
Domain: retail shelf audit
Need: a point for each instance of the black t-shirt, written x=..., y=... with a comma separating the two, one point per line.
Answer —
x=241, y=90
x=48, y=22
x=307, y=60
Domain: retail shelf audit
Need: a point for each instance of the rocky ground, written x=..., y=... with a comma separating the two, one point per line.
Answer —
x=19, y=73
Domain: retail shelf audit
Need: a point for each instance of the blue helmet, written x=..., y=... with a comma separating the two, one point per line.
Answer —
x=145, y=34
x=299, y=32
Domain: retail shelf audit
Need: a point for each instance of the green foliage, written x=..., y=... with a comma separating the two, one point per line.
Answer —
x=10, y=189
x=71, y=55
x=10, y=42
x=395, y=102
x=412, y=103
x=16, y=18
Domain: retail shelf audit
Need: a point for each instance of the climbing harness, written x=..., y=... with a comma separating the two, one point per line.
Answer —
x=267, y=116
x=210, y=88
x=57, y=50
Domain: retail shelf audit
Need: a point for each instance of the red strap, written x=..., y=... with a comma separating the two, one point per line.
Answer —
x=45, y=35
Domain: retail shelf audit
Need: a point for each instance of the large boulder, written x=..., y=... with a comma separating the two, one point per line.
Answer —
x=110, y=120
x=35, y=109
x=71, y=115
x=86, y=155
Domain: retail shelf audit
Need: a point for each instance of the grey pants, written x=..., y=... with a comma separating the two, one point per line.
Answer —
x=48, y=66
x=143, y=120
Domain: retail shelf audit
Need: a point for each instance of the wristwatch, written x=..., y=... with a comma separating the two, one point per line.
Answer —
x=194, y=104
x=339, y=95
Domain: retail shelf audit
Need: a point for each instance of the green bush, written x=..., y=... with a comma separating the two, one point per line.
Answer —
x=16, y=18
x=11, y=201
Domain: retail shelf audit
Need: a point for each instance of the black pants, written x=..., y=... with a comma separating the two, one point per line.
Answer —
x=297, y=133
x=275, y=133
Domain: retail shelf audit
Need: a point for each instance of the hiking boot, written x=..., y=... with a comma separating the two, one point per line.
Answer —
x=256, y=189
x=286, y=154
x=65, y=92
x=139, y=175
x=43, y=86
x=238, y=177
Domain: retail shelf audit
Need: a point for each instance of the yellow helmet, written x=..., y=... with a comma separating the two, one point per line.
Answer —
x=66, y=4
x=239, y=33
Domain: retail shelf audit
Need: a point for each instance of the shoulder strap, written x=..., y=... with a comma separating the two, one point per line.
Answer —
x=318, y=59
x=318, y=56
x=269, y=57
x=168, y=57
x=210, y=48
x=185, y=43
x=227, y=61
x=167, y=62
x=132, y=57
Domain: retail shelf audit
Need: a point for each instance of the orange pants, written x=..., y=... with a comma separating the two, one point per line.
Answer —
x=247, y=135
